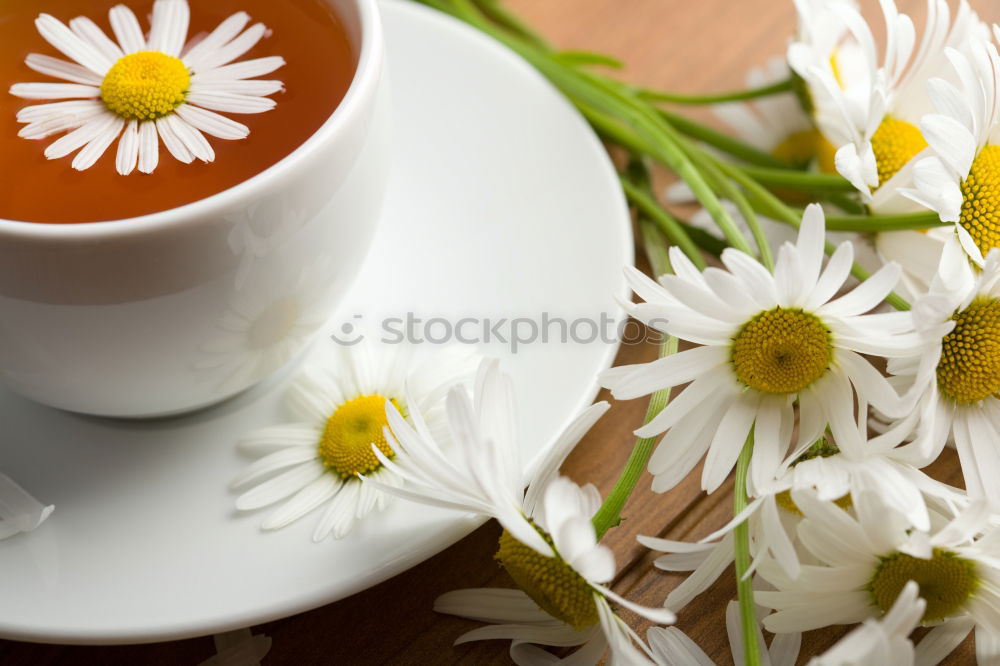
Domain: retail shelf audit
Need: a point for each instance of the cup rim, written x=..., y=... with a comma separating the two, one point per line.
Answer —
x=363, y=83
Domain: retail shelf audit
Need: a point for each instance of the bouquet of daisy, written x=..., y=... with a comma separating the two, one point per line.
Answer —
x=831, y=322
x=832, y=313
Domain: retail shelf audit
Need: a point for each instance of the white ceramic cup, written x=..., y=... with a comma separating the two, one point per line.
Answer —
x=177, y=310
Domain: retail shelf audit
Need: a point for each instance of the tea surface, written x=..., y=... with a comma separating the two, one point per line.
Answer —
x=318, y=70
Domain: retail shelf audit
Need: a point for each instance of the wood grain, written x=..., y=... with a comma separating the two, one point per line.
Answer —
x=671, y=44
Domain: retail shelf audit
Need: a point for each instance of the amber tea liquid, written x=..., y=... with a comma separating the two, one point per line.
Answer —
x=318, y=70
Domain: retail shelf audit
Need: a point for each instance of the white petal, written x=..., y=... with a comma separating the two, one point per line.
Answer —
x=280, y=486
x=193, y=140
x=80, y=136
x=96, y=146
x=231, y=51
x=169, y=27
x=89, y=32
x=149, y=147
x=69, y=117
x=252, y=87
x=72, y=46
x=867, y=295
x=54, y=91
x=633, y=381
x=174, y=144
x=671, y=646
x=212, y=123
x=728, y=441
x=62, y=69
x=491, y=604
x=218, y=38
x=339, y=517
x=304, y=501
x=942, y=640
x=245, y=69
x=127, y=30
x=274, y=462
x=128, y=149
x=952, y=142
x=231, y=102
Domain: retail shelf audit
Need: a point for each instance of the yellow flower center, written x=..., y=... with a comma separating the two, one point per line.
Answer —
x=346, y=444
x=969, y=369
x=946, y=582
x=895, y=143
x=550, y=582
x=145, y=85
x=981, y=200
x=781, y=351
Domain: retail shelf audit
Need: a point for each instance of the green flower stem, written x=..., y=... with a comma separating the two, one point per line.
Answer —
x=587, y=58
x=609, y=515
x=876, y=223
x=733, y=193
x=799, y=180
x=666, y=222
x=655, y=246
x=724, y=142
x=663, y=143
x=846, y=203
x=495, y=10
x=717, y=98
x=741, y=552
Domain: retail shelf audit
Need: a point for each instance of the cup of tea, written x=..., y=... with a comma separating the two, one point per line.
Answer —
x=153, y=294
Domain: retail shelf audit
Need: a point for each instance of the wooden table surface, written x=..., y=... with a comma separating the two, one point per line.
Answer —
x=680, y=45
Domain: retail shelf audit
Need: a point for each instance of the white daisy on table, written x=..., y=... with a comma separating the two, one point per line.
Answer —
x=855, y=474
x=870, y=106
x=864, y=563
x=954, y=384
x=339, y=402
x=548, y=546
x=882, y=641
x=960, y=179
x=144, y=88
x=767, y=340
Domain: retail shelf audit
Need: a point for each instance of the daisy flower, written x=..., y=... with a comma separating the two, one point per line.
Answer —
x=851, y=476
x=144, y=88
x=548, y=546
x=870, y=107
x=882, y=641
x=863, y=564
x=954, y=384
x=767, y=341
x=339, y=402
x=959, y=181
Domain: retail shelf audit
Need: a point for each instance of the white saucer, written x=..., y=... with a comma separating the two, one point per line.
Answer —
x=502, y=203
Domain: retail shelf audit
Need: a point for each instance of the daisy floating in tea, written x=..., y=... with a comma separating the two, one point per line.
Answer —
x=145, y=88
